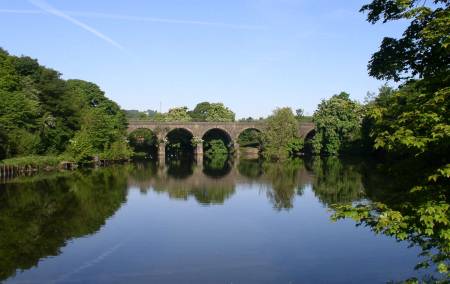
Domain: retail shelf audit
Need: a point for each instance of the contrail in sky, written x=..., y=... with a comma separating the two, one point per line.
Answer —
x=135, y=18
x=161, y=20
x=51, y=10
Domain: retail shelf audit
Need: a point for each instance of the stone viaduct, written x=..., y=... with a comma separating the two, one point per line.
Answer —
x=231, y=130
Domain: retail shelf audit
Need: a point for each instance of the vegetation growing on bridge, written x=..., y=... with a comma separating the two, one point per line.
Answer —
x=204, y=111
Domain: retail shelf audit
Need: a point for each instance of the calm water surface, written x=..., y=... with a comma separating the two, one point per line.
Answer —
x=182, y=223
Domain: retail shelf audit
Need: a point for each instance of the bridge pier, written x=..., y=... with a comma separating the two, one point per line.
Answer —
x=236, y=149
x=198, y=151
x=162, y=151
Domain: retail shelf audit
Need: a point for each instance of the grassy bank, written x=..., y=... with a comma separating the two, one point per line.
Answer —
x=35, y=161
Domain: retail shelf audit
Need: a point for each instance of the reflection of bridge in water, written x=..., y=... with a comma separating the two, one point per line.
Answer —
x=198, y=130
x=211, y=188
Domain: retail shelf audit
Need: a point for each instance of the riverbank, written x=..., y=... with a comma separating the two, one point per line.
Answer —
x=34, y=163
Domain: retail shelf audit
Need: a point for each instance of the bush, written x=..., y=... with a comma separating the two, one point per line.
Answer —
x=216, y=148
x=280, y=134
x=118, y=150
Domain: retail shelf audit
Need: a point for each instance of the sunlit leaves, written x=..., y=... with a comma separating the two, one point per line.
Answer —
x=423, y=50
x=280, y=133
x=338, y=123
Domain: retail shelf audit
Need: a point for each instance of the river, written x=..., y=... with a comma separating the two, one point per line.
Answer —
x=246, y=222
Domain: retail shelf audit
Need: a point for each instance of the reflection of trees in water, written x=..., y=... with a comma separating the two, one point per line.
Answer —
x=38, y=218
x=180, y=168
x=418, y=216
x=217, y=166
x=250, y=168
x=285, y=182
x=336, y=181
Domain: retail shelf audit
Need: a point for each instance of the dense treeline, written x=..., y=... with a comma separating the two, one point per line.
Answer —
x=42, y=114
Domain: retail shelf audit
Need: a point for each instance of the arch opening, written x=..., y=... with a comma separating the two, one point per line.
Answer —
x=217, y=148
x=308, y=148
x=179, y=144
x=250, y=143
x=143, y=141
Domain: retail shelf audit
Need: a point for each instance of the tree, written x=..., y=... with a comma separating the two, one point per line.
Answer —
x=103, y=123
x=200, y=112
x=410, y=126
x=424, y=49
x=299, y=113
x=215, y=147
x=281, y=131
x=177, y=114
x=218, y=112
x=206, y=111
x=338, y=122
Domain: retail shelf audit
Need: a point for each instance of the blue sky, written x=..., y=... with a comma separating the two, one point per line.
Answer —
x=252, y=55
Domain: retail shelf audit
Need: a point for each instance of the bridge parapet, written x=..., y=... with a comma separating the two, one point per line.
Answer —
x=198, y=129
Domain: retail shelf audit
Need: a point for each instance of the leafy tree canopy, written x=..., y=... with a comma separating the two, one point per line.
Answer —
x=177, y=114
x=206, y=111
x=338, y=121
x=280, y=134
x=424, y=49
x=40, y=113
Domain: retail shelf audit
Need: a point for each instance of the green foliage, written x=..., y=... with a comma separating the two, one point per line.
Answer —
x=177, y=114
x=215, y=148
x=250, y=138
x=81, y=148
x=412, y=120
x=103, y=124
x=206, y=111
x=38, y=218
x=285, y=182
x=280, y=133
x=336, y=181
x=179, y=143
x=36, y=162
x=412, y=124
x=142, y=140
x=299, y=113
x=424, y=49
x=426, y=225
x=40, y=113
x=295, y=146
x=117, y=151
x=216, y=165
x=218, y=112
x=338, y=123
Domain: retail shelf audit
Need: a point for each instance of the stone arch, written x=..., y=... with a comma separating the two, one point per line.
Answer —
x=144, y=141
x=305, y=128
x=308, y=140
x=219, y=128
x=216, y=157
x=165, y=131
x=178, y=141
x=226, y=134
x=243, y=130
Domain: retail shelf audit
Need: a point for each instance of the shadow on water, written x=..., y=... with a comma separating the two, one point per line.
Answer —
x=39, y=214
